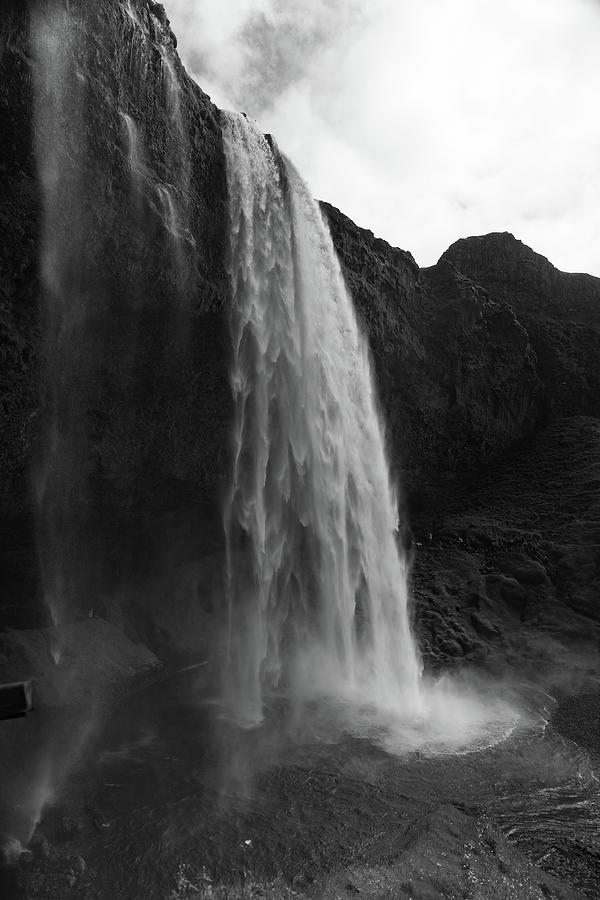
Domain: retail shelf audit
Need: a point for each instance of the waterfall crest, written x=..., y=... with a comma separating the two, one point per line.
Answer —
x=317, y=585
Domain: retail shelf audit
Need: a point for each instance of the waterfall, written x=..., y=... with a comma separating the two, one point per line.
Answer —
x=316, y=581
x=114, y=253
x=137, y=167
x=68, y=275
x=177, y=206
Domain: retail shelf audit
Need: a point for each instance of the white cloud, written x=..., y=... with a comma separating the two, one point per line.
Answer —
x=424, y=120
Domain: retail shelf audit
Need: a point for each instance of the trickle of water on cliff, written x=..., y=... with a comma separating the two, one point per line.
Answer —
x=138, y=170
x=177, y=205
x=79, y=300
x=59, y=491
x=165, y=189
x=316, y=579
x=163, y=199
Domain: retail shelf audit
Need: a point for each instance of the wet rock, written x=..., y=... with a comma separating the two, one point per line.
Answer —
x=506, y=591
x=26, y=858
x=10, y=848
x=484, y=627
x=540, y=508
x=59, y=825
x=78, y=865
x=159, y=11
x=153, y=459
x=451, y=648
x=524, y=570
x=99, y=821
x=40, y=846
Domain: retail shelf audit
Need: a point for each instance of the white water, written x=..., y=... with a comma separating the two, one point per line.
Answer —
x=58, y=113
x=173, y=90
x=169, y=216
x=181, y=154
x=171, y=221
x=137, y=165
x=317, y=583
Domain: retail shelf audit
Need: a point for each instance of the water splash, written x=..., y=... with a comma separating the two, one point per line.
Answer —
x=317, y=584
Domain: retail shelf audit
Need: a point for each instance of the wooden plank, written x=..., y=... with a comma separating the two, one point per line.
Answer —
x=16, y=699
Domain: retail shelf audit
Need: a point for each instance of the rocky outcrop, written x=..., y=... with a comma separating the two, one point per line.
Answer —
x=506, y=569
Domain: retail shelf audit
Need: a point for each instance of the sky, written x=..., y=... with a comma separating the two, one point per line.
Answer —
x=423, y=120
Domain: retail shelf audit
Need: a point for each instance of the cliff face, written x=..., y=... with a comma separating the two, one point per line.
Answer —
x=114, y=339
x=456, y=369
x=560, y=311
x=122, y=217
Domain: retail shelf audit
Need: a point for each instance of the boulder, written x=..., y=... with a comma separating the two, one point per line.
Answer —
x=519, y=567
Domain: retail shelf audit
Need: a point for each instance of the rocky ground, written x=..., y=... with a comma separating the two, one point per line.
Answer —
x=170, y=802
x=506, y=559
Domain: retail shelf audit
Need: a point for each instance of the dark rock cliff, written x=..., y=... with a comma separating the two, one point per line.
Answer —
x=472, y=356
x=560, y=311
x=141, y=436
x=456, y=369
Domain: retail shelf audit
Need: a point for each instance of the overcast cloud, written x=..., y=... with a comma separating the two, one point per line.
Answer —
x=423, y=120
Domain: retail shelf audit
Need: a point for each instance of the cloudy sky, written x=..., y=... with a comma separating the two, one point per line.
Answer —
x=423, y=120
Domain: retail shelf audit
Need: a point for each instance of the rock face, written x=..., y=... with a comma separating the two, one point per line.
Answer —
x=472, y=356
x=456, y=369
x=114, y=337
x=506, y=570
x=560, y=311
